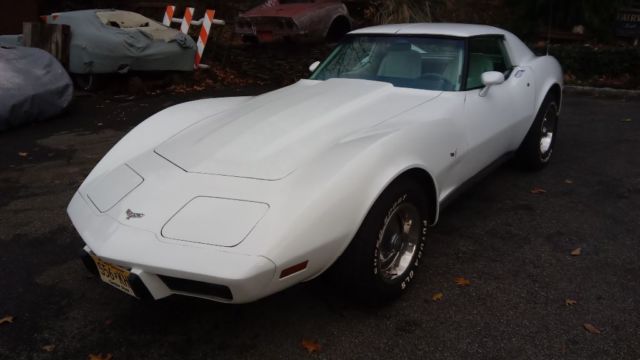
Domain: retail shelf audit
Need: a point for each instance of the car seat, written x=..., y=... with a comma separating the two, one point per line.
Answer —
x=401, y=62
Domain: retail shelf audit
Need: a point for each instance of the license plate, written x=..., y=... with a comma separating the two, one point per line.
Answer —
x=114, y=275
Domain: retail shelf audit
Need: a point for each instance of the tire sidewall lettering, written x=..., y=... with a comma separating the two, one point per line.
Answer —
x=410, y=272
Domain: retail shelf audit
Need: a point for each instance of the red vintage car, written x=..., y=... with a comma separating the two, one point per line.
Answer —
x=299, y=20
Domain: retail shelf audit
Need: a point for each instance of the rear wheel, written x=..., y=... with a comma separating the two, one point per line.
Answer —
x=537, y=147
x=382, y=259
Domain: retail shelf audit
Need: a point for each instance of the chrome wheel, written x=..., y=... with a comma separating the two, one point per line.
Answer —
x=398, y=241
x=548, y=128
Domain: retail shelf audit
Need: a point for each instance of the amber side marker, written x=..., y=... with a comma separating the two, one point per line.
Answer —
x=294, y=269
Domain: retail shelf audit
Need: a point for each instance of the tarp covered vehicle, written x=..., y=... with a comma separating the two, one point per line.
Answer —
x=109, y=41
x=306, y=20
x=33, y=86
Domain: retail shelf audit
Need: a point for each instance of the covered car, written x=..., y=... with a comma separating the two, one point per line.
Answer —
x=310, y=20
x=109, y=41
x=33, y=86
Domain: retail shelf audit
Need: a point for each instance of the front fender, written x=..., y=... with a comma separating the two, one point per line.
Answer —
x=327, y=200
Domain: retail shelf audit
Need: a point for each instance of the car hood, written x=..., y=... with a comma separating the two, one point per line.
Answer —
x=271, y=135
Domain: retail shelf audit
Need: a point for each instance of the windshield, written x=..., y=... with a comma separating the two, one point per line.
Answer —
x=416, y=62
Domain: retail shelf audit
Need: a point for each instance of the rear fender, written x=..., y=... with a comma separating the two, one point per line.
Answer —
x=547, y=72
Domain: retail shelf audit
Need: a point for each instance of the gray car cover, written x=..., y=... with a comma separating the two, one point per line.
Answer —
x=33, y=86
x=109, y=41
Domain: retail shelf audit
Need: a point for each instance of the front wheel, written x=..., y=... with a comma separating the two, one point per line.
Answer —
x=382, y=259
x=537, y=147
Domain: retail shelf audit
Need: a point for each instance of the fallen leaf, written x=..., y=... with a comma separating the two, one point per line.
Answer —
x=311, y=346
x=570, y=302
x=23, y=154
x=462, y=281
x=437, y=296
x=49, y=348
x=568, y=181
x=6, y=319
x=576, y=252
x=591, y=328
x=626, y=120
x=538, y=190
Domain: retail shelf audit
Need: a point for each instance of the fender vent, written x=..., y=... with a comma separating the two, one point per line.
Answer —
x=197, y=287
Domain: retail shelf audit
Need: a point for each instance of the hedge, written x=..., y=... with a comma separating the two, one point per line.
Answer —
x=599, y=66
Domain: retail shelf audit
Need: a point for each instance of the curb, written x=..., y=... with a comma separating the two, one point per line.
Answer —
x=602, y=92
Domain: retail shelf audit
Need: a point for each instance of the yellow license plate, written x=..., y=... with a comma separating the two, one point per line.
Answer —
x=114, y=275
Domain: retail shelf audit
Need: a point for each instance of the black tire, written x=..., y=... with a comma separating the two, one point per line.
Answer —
x=361, y=267
x=532, y=154
x=88, y=82
x=338, y=29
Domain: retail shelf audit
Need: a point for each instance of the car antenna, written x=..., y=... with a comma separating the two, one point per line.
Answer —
x=549, y=26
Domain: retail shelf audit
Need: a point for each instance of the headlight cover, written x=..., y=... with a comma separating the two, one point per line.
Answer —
x=215, y=221
x=108, y=190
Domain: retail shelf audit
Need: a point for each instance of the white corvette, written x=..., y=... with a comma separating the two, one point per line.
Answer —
x=233, y=199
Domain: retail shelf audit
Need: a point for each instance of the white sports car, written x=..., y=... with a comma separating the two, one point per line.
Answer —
x=233, y=199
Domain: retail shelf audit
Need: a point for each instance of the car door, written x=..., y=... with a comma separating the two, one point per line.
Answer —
x=491, y=121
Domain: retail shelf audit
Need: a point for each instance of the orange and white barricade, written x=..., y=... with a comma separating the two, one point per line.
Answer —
x=168, y=15
x=187, y=21
x=204, y=35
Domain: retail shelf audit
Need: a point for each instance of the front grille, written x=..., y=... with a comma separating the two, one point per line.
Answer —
x=197, y=287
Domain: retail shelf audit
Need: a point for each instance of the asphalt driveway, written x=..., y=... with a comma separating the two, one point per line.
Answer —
x=512, y=245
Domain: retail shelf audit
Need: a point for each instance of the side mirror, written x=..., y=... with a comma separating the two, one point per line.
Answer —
x=314, y=66
x=489, y=79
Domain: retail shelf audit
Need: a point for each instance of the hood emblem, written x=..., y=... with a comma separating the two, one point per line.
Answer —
x=133, y=215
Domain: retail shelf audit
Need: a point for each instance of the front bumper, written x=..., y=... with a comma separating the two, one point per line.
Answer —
x=164, y=268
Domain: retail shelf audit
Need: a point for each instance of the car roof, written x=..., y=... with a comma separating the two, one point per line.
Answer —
x=519, y=52
x=448, y=29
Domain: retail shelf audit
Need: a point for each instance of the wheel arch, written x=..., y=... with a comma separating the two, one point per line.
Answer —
x=556, y=91
x=340, y=20
x=422, y=176
x=548, y=79
x=427, y=184
x=416, y=173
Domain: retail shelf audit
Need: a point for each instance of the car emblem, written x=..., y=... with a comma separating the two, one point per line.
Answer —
x=131, y=214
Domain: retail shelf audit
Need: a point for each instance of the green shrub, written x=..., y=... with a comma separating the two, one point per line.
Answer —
x=599, y=66
x=586, y=61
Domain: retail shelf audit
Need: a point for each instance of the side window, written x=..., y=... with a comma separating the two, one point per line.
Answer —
x=486, y=54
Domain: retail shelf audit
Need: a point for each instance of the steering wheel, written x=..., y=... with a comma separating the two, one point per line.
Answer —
x=438, y=77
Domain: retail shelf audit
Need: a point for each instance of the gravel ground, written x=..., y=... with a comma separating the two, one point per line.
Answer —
x=513, y=246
